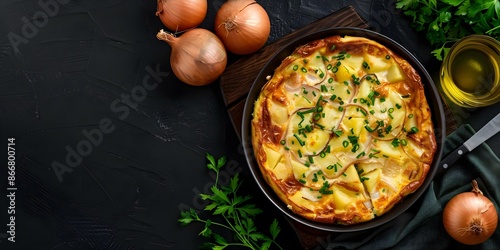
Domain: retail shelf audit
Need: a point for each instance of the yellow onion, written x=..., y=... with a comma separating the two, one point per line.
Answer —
x=470, y=218
x=198, y=56
x=179, y=15
x=242, y=25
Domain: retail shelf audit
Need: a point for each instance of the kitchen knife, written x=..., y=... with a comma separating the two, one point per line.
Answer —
x=491, y=128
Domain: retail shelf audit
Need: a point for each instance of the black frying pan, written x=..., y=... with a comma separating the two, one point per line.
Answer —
x=431, y=93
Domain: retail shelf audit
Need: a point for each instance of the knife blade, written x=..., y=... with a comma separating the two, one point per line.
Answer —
x=487, y=131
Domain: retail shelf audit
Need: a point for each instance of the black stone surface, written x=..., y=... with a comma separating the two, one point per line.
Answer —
x=86, y=88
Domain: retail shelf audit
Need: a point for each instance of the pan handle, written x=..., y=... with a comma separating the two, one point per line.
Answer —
x=450, y=159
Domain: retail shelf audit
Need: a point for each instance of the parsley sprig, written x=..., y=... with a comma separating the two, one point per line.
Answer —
x=236, y=215
x=446, y=21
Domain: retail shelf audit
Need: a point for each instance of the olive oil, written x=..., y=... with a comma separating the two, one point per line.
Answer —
x=470, y=74
x=473, y=71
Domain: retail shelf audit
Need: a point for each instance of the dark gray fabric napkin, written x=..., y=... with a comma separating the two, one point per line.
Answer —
x=421, y=226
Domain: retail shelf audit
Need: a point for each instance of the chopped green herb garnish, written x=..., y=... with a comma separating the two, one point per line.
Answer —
x=324, y=189
x=311, y=159
x=360, y=155
x=338, y=133
x=355, y=79
x=414, y=130
x=309, y=128
x=355, y=148
x=295, y=67
x=300, y=141
x=395, y=142
x=315, y=177
x=388, y=129
x=309, y=101
x=365, y=65
x=324, y=88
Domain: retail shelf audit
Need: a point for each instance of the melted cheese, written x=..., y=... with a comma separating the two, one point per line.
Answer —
x=343, y=130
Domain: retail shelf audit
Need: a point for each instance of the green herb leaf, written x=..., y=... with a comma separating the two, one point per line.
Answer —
x=249, y=209
x=207, y=232
x=452, y=2
x=211, y=165
x=266, y=245
x=219, y=195
x=220, y=240
x=446, y=21
x=274, y=229
x=234, y=210
x=188, y=216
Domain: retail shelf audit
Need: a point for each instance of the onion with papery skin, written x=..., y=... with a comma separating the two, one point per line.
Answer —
x=470, y=217
x=198, y=56
x=179, y=15
x=242, y=25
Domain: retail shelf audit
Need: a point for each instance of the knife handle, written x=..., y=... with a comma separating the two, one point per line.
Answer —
x=450, y=159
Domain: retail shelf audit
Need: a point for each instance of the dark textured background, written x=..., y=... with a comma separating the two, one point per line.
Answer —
x=71, y=73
